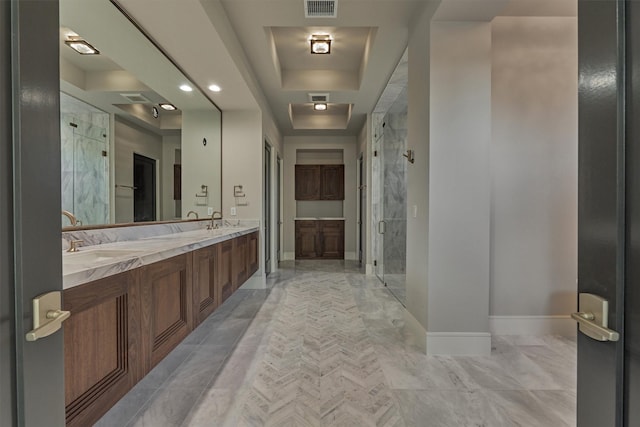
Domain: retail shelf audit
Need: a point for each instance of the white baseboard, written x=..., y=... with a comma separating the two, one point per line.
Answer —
x=532, y=325
x=351, y=256
x=459, y=343
x=288, y=256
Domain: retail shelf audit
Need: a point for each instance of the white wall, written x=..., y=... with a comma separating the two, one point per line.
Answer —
x=459, y=179
x=201, y=163
x=534, y=164
x=242, y=163
x=131, y=139
x=348, y=145
x=418, y=123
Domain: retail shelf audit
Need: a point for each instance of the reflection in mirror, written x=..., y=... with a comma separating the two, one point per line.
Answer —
x=132, y=142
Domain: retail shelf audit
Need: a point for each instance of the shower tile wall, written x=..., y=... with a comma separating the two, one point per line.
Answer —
x=395, y=192
x=85, y=169
x=377, y=191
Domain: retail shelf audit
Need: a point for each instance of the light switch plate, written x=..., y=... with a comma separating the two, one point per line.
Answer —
x=233, y=211
x=209, y=210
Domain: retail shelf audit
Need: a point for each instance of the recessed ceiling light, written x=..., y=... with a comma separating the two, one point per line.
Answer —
x=167, y=106
x=186, y=88
x=215, y=88
x=81, y=46
x=320, y=106
x=320, y=44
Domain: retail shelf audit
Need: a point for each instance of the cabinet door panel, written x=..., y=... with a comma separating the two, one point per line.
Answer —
x=224, y=267
x=307, y=182
x=205, y=298
x=332, y=239
x=166, y=307
x=252, y=253
x=332, y=182
x=239, y=261
x=100, y=367
x=307, y=239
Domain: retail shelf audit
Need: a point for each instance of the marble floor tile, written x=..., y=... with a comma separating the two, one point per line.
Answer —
x=325, y=345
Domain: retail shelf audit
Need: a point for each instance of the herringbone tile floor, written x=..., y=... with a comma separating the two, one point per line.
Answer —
x=326, y=346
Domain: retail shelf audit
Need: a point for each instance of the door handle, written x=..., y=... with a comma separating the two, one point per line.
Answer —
x=593, y=318
x=47, y=315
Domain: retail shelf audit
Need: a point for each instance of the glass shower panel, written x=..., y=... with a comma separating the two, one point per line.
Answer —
x=377, y=195
x=394, y=200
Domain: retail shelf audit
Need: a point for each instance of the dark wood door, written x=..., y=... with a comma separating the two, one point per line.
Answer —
x=101, y=346
x=224, y=267
x=205, y=298
x=166, y=307
x=307, y=239
x=253, y=262
x=332, y=182
x=240, y=264
x=331, y=239
x=307, y=182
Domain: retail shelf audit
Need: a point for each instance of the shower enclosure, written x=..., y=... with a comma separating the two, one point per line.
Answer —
x=389, y=194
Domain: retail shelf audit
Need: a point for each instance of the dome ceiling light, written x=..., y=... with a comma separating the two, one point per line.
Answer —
x=320, y=44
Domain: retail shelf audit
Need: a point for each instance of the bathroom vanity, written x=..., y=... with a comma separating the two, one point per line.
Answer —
x=133, y=301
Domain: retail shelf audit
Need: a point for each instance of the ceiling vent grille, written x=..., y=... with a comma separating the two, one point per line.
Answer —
x=136, y=98
x=321, y=8
x=318, y=97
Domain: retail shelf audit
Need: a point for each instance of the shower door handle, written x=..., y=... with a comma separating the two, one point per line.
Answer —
x=382, y=227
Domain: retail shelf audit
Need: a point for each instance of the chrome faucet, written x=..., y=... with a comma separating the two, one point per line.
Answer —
x=213, y=218
x=72, y=218
x=192, y=212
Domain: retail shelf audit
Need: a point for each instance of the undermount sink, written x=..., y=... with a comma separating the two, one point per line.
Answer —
x=96, y=256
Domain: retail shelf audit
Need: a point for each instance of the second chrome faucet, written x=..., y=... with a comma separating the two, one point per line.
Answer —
x=213, y=225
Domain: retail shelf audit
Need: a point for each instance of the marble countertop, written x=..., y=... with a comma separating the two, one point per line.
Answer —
x=313, y=218
x=96, y=262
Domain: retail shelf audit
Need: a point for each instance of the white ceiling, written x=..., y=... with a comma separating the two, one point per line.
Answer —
x=258, y=50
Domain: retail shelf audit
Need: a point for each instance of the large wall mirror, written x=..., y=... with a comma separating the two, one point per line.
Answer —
x=136, y=147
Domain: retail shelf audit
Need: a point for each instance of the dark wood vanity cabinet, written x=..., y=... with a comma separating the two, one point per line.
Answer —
x=240, y=261
x=319, y=182
x=205, y=294
x=123, y=325
x=101, y=346
x=225, y=270
x=167, y=304
x=253, y=263
x=319, y=239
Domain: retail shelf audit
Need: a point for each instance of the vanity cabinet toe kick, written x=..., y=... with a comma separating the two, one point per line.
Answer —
x=122, y=326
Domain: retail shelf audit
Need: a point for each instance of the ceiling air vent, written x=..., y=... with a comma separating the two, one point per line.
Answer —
x=318, y=97
x=321, y=8
x=136, y=98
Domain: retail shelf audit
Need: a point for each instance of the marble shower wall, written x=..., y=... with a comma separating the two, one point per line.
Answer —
x=395, y=188
x=84, y=138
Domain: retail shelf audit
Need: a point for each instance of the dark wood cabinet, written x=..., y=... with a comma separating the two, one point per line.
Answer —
x=123, y=325
x=319, y=239
x=240, y=263
x=307, y=239
x=167, y=304
x=307, y=182
x=253, y=263
x=205, y=295
x=332, y=182
x=225, y=270
x=101, y=346
x=319, y=182
x=332, y=239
